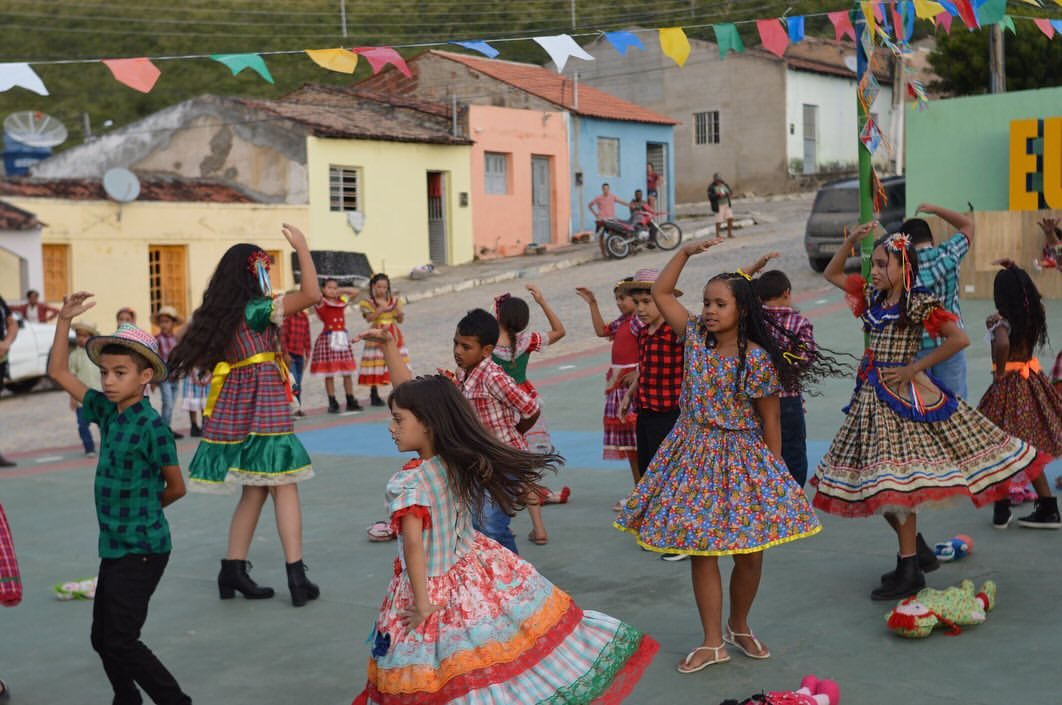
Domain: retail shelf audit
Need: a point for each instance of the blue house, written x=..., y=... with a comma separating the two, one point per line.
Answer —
x=611, y=140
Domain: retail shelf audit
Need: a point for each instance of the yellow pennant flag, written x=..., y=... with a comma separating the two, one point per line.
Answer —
x=868, y=15
x=674, y=44
x=339, y=60
x=927, y=9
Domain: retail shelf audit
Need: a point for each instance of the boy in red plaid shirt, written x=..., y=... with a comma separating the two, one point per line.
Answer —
x=295, y=341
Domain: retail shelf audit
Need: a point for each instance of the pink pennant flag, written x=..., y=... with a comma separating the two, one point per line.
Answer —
x=897, y=22
x=944, y=20
x=774, y=38
x=139, y=74
x=378, y=57
x=1045, y=26
x=879, y=15
x=842, y=24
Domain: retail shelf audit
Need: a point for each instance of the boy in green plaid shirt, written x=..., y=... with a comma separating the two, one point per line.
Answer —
x=136, y=476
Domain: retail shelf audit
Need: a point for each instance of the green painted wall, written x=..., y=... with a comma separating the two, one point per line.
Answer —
x=958, y=149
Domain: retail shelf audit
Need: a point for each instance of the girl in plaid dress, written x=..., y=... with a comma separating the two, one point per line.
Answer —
x=248, y=432
x=380, y=310
x=333, y=353
x=906, y=440
x=194, y=392
x=465, y=620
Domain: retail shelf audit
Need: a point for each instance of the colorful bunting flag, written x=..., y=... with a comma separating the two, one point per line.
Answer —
x=871, y=136
x=379, y=57
x=1057, y=24
x=1045, y=27
x=991, y=12
x=560, y=47
x=772, y=36
x=622, y=41
x=869, y=88
x=944, y=20
x=927, y=9
x=967, y=14
x=881, y=16
x=482, y=47
x=867, y=8
x=918, y=91
x=949, y=7
x=338, y=60
x=906, y=22
x=1008, y=23
x=842, y=24
x=728, y=39
x=674, y=44
x=139, y=74
x=795, y=25
x=239, y=62
x=21, y=75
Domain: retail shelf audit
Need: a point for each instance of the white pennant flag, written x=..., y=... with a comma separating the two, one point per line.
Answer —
x=21, y=74
x=560, y=47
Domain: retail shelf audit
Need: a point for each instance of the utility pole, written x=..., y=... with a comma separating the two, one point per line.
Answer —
x=343, y=15
x=997, y=70
x=572, y=3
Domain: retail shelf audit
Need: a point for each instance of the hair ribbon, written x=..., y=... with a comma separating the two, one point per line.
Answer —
x=499, y=300
x=258, y=265
x=741, y=273
x=900, y=243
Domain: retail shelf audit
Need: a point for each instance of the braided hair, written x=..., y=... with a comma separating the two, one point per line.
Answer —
x=1018, y=300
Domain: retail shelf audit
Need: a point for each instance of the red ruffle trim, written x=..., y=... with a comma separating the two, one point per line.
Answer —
x=334, y=367
x=855, y=288
x=936, y=320
x=462, y=685
x=416, y=510
x=627, y=422
x=632, y=672
x=618, y=454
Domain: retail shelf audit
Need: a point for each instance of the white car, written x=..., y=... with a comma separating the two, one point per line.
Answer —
x=28, y=357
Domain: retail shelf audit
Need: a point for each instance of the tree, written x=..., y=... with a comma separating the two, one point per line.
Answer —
x=960, y=59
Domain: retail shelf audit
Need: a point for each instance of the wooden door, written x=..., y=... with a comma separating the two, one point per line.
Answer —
x=56, y=271
x=541, y=201
x=168, y=277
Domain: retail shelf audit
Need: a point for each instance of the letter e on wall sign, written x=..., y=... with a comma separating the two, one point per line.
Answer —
x=1035, y=164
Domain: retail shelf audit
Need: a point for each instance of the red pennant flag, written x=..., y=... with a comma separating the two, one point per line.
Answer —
x=378, y=57
x=774, y=38
x=967, y=13
x=897, y=23
x=944, y=20
x=842, y=24
x=1045, y=26
x=139, y=74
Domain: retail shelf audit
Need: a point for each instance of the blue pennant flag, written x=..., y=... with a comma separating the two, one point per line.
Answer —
x=622, y=41
x=950, y=7
x=482, y=47
x=796, y=28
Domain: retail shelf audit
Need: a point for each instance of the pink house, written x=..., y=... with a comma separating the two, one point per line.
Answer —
x=520, y=185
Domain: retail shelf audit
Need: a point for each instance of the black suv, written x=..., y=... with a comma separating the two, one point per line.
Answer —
x=836, y=206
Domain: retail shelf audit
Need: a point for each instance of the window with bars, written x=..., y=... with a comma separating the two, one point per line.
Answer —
x=706, y=127
x=344, y=185
x=496, y=173
x=608, y=156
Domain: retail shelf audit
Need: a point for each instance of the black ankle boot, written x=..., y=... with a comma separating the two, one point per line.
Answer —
x=352, y=404
x=233, y=577
x=907, y=581
x=1001, y=514
x=375, y=399
x=300, y=586
x=333, y=405
x=927, y=560
x=1044, y=516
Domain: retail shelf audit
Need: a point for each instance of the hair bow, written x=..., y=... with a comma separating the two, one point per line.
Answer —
x=258, y=264
x=499, y=300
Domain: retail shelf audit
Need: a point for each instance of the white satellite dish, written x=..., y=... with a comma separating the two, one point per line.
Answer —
x=121, y=185
x=35, y=129
x=851, y=62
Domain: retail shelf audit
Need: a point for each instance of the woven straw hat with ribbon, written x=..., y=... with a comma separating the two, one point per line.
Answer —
x=643, y=279
x=138, y=341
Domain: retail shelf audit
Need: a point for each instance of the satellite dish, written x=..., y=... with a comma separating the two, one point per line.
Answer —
x=35, y=129
x=851, y=62
x=121, y=185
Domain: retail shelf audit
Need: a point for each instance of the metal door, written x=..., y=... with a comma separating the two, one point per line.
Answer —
x=438, y=247
x=811, y=131
x=541, y=201
x=656, y=154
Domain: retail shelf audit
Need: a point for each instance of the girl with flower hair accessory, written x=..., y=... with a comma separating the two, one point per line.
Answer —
x=380, y=310
x=907, y=442
x=248, y=433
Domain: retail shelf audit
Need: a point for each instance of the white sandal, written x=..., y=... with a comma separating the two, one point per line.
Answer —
x=712, y=661
x=730, y=637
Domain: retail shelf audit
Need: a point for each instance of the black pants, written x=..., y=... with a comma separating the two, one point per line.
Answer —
x=124, y=587
x=650, y=431
x=794, y=438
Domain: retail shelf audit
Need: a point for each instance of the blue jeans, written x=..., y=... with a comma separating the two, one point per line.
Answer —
x=84, y=432
x=495, y=524
x=951, y=373
x=168, y=390
x=298, y=364
x=794, y=438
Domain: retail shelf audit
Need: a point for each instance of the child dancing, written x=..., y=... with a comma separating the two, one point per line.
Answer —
x=248, y=432
x=1021, y=400
x=717, y=485
x=906, y=440
x=332, y=353
x=380, y=310
x=465, y=620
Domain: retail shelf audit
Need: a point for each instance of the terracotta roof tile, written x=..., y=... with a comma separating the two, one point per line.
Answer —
x=557, y=89
x=151, y=189
x=12, y=218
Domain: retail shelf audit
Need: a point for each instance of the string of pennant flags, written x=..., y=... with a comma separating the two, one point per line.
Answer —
x=891, y=23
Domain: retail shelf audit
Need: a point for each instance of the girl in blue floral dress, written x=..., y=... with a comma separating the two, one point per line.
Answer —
x=717, y=486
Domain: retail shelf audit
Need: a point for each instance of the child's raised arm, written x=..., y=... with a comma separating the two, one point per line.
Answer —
x=309, y=292
x=962, y=222
x=759, y=264
x=59, y=360
x=834, y=272
x=674, y=312
x=600, y=327
x=395, y=365
x=556, y=327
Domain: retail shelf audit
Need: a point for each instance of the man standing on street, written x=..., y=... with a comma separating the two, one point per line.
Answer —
x=8, y=331
x=34, y=310
x=604, y=206
x=719, y=197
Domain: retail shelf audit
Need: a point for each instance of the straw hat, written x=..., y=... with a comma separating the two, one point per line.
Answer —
x=136, y=340
x=643, y=279
x=87, y=326
x=168, y=311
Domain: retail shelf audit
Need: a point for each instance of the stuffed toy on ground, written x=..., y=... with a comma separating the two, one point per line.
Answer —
x=812, y=691
x=956, y=607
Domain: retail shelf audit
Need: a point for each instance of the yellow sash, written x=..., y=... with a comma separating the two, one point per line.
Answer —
x=222, y=370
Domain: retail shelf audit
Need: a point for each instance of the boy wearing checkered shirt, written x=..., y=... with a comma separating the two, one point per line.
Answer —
x=137, y=475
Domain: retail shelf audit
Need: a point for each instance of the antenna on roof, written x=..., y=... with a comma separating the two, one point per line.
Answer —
x=121, y=186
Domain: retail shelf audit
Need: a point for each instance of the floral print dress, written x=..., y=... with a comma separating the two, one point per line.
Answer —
x=714, y=487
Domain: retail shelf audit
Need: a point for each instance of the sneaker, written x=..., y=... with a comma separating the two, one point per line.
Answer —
x=300, y=413
x=352, y=404
x=90, y=454
x=333, y=405
x=1044, y=516
x=1001, y=514
x=196, y=431
x=176, y=435
x=674, y=557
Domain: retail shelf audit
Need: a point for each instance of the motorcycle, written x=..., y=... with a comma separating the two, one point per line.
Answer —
x=618, y=238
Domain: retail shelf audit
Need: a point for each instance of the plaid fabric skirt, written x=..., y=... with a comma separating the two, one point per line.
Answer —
x=1056, y=371
x=373, y=366
x=1029, y=409
x=327, y=361
x=10, y=577
x=619, y=442
x=194, y=394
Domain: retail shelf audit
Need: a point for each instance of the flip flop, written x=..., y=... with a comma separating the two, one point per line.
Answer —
x=730, y=637
x=536, y=540
x=381, y=532
x=551, y=497
x=710, y=662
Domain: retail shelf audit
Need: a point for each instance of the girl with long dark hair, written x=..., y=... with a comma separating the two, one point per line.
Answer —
x=248, y=433
x=380, y=310
x=907, y=441
x=466, y=620
x=718, y=486
x=1021, y=400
